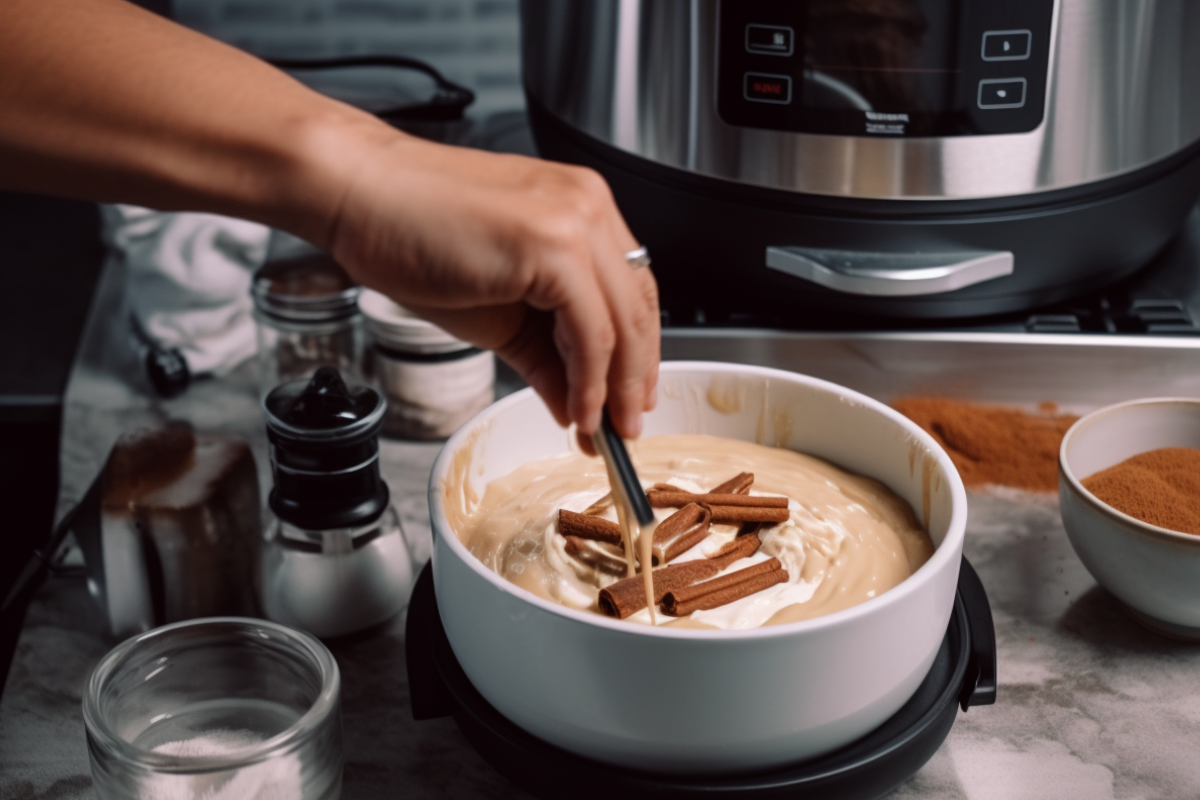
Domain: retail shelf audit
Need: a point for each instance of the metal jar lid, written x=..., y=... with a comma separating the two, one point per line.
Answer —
x=311, y=289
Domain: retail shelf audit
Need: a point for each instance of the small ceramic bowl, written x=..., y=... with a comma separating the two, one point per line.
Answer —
x=594, y=685
x=1155, y=572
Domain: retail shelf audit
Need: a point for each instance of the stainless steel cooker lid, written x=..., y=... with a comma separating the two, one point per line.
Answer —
x=1057, y=94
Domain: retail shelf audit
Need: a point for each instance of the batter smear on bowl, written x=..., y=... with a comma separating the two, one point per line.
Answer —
x=747, y=535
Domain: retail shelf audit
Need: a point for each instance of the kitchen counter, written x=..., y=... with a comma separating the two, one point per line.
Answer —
x=1090, y=705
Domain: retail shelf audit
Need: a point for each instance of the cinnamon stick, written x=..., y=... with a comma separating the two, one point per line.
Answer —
x=628, y=596
x=724, y=590
x=738, y=484
x=723, y=514
x=680, y=532
x=661, y=498
x=723, y=582
x=599, y=555
x=741, y=547
x=571, y=523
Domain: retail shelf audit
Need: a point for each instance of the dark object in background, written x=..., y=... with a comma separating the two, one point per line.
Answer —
x=404, y=92
x=51, y=262
x=446, y=103
x=166, y=367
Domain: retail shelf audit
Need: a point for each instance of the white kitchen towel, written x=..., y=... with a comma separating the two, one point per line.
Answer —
x=189, y=280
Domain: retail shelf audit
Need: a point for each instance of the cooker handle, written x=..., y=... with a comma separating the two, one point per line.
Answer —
x=890, y=274
x=979, y=684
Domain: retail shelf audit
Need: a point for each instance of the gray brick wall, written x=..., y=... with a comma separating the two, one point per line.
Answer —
x=473, y=42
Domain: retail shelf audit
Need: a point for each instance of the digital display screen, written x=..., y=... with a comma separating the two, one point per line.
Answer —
x=884, y=67
x=889, y=56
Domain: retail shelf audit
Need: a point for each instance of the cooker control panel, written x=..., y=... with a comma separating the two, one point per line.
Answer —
x=897, y=68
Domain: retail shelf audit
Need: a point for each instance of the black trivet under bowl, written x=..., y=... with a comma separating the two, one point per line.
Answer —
x=963, y=674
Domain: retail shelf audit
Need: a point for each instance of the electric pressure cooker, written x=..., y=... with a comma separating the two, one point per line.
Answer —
x=898, y=158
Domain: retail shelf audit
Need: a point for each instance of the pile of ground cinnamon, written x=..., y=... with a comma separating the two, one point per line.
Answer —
x=1161, y=487
x=990, y=445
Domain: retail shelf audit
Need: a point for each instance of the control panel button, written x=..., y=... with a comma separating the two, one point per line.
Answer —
x=771, y=40
x=1002, y=93
x=1007, y=45
x=760, y=88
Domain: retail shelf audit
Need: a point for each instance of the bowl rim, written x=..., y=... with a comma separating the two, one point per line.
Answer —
x=950, y=548
x=300, y=731
x=1075, y=485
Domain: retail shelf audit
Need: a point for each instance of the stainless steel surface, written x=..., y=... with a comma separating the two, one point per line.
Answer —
x=1079, y=372
x=890, y=274
x=640, y=75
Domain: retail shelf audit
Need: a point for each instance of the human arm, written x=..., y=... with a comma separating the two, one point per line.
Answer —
x=101, y=100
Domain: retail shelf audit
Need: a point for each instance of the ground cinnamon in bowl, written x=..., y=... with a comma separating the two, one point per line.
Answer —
x=993, y=445
x=1161, y=487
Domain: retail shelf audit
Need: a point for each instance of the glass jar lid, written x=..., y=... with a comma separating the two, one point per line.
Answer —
x=309, y=289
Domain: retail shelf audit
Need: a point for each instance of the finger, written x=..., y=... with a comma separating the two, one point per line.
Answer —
x=583, y=329
x=632, y=296
x=652, y=380
x=636, y=353
x=584, y=336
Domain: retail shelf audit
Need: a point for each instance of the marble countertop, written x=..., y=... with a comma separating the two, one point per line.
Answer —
x=1090, y=705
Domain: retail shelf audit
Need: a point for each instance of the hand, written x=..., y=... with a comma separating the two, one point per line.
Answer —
x=516, y=255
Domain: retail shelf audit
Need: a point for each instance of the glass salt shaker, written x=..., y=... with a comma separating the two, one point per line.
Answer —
x=337, y=560
x=307, y=314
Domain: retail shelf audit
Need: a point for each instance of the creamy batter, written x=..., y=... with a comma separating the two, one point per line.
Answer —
x=847, y=539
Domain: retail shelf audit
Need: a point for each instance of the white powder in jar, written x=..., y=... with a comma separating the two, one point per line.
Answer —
x=277, y=778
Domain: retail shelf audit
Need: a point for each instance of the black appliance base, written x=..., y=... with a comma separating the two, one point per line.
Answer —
x=708, y=237
x=963, y=673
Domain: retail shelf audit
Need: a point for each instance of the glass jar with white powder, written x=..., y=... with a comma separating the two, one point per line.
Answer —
x=433, y=382
x=223, y=708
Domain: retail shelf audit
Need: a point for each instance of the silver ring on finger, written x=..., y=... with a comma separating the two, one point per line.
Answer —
x=636, y=259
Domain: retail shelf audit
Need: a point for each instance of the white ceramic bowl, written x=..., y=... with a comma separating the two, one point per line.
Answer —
x=1155, y=572
x=703, y=701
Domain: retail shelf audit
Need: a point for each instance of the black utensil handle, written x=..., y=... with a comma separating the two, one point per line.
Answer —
x=979, y=684
x=625, y=471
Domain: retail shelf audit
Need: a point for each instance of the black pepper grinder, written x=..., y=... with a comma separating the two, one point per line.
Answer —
x=337, y=560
